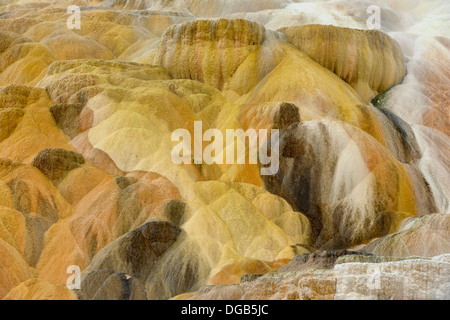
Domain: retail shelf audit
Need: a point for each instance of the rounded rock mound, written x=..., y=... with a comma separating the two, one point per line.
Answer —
x=369, y=60
x=209, y=51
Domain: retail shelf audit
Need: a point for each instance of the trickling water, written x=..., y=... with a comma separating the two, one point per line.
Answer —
x=421, y=28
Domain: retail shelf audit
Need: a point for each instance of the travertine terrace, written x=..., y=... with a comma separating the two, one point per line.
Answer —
x=91, y=92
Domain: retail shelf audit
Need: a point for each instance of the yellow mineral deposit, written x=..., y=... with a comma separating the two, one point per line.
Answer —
x=92, y=91
x=371, y=62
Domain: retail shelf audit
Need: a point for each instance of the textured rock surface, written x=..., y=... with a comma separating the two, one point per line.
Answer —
x=370, y=61
x=426, y=236
x=123, y=266
x=55, y=164
x=244, y=221
x=66, y=117
x=208, y=51
x=316, y=260
x=105, y=208
x=87, y=177
x=307, y=170
x=409, y=279
x=38, y=289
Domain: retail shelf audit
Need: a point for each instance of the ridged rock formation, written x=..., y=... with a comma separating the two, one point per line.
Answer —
x=133, y=255
x=352, y=277
x=370, y=61
x=38, y=289
x=356, y=207
x=310, y=179
x=105, y=208
x=426, y=236
x=208, y=51
x=55, y=164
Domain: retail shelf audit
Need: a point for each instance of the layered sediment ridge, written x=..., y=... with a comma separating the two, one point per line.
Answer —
x=350, y=277
x=370, y=61
x=209, y=51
